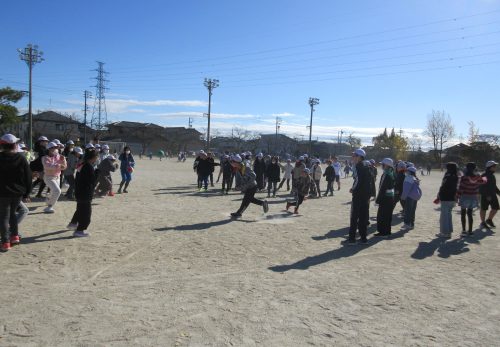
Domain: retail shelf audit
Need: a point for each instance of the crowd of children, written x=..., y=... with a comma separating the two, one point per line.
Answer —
x=85, y=172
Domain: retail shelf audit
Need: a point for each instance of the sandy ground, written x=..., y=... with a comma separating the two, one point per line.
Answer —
x=165, y=266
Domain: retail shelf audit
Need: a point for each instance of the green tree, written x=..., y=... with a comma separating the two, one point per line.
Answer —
x=8, y=112
x=393, y=145
x=353, y=142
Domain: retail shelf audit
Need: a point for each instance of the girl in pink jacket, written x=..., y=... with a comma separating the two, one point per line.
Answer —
x=53, y=164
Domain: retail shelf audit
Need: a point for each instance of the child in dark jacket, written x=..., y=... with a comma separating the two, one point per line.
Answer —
x=330, y=177
x=385, y=199
x=104, y=179
x=302, y=190
x=447, y=196
x=85, y=181
x=489, y=197
x=273, y=172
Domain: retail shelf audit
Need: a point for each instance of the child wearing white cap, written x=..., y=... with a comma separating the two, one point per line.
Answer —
x=53, y=164
x=248, y=186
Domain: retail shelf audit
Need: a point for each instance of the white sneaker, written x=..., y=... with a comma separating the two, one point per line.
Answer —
x=80, y=234
x=72, y=226
x=49, y=209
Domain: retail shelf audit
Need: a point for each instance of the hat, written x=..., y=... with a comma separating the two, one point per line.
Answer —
x=70, y=142
x=409, y=164
x=306, y=156
x=359, y=152
x=97, y=145
x=372, y=161
x=247, y=153
x=490, y=164
x=201, y=152
x=105, y=147
x=56, y=141
x=9, y=138
x=225, y=156
x=260, y=155
x=301, y=158
x=236, y=158
x=43, y=138
x=89, y=145
x=78, y=150
x=51, y=145
x=23, y=145
x=412, y=169
x=387, y=162
x=307, y=171
x=401, y=165
x=111, y=157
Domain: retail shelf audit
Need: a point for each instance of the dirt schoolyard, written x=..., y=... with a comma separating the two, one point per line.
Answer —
x=166, y=266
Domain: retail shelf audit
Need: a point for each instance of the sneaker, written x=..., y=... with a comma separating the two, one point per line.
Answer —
x=363, y=242
x=72, y=226
x=235, y=215
x=49, y=209
x=490, y=223
x=15, y=240
x=265, y=206
x=443, y=236
x=351, y=243
x=5, y=247
x=80, y=234
x=406, y=227
x=119, y=192
x=288, y=205
x=111, y=194
x=464, y=233
x=484, y=226
x=296, y=211
x=125, y=191
x=470, y=233
x=381, y=235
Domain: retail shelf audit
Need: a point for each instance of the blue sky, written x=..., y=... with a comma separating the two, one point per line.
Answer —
x=372, y=64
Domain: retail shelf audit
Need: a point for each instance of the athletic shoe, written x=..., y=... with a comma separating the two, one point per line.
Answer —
x=381, y=235
x=49, y=209
x=363, y=242
x=5, y=247
x=15, y=240
x=111, y=194
x=125, y=191
x=296, y=211
x=351, y=243
x=235, y=215
x=288, y=205
x=490, y=223
x=443, y=236
x=406, y=227
x=484, y=226
x=265, y=206
x=464, y=233
x=72, y=226
x=470, y=233
x=80, y=234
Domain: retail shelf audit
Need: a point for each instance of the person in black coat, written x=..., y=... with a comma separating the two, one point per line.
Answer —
x=15, y=185
x=259, y=167
x=489, y=197
x=329, y=175
x=385, y=199
x=85, y=181
x=204, y=169
x=447, y=196
x=360, y=198
x=398, y=185
x=273, y=172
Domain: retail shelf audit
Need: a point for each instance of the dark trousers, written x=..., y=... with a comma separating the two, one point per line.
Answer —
x=248, y=198
x=82, y=215
x=318, y=189
x=212, y=179
x=227, y=182
x=299, y=199
x=8, y=217
x=410, y=208
x=287, y=183
x=329, y=187
x=203, y=181
x=384, y=216
x=359, y=217
x=271, y=186
x=260, y=181
x=71, y=189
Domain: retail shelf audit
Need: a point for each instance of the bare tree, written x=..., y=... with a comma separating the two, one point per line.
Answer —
x=353, y=142
x=415, y=142
x=473, y=132
x=439, y=130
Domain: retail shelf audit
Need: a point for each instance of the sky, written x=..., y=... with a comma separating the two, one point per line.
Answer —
x=372, y=64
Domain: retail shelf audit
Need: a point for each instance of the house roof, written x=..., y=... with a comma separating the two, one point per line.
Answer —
x=51, y=116
x=126, y=124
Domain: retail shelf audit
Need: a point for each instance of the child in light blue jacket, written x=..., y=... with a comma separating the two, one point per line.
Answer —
x=411, y=194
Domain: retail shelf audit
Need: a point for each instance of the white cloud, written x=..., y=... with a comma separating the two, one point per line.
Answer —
x=201, y=114
x=283, y=114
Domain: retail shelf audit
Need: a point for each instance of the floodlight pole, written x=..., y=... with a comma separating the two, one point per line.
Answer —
x=210, y=84
x=312, y=102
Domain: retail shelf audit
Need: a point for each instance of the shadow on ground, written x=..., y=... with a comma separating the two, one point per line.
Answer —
x=42, y=237
x=447, y=248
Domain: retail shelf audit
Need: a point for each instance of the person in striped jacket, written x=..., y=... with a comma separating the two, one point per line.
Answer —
x=468, y=190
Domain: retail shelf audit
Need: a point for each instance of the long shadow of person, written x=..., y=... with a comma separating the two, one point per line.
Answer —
x=41, y=238
x=446, y=249
x=201, y=226
x=343, y=252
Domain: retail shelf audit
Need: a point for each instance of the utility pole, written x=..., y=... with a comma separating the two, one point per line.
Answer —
x=31, y=55
x=86, y=95
x=190, y=122
x=312, y=102
x=210, y=84
x=278, y=125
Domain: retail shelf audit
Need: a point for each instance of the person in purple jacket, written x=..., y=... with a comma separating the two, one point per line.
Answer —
x=410, y=195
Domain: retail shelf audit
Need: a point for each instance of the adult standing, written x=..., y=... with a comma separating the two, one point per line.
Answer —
x=127, y=164
x=15, y=175
x=259, y=167
x=385, y=198
x=447, y=197
x=360, y=198
x=273, y=171
x=489, y=197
